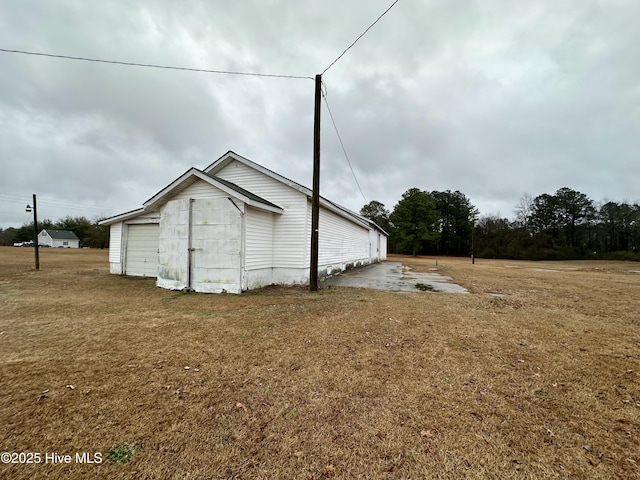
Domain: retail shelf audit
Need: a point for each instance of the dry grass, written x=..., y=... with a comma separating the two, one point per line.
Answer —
x=347, y=383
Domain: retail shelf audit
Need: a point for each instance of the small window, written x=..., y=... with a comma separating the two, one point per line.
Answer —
x=65, y=243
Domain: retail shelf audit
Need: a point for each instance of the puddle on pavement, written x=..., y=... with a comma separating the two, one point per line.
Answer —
x=396, y=277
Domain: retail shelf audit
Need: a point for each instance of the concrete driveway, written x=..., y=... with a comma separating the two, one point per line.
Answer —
x=394, y=276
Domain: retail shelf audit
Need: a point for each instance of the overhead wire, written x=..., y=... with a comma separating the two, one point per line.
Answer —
x=324, y=96
x=42, y=201
x=360, y=36
x=203, y=70
x=151, y=65
x=222, y=72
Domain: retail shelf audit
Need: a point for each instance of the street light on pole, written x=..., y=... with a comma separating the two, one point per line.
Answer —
x=35, y=229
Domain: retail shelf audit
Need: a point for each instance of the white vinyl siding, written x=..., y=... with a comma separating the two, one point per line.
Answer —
x=44, y=238
x=378, y=242
x=142, y=250
x=289, y=239
x=341, y=241
x=66, y=243
x=115, y=248
x=259, y=239
x=115, y=244
x=200, y=189
x=149, y=217
x=373, y=245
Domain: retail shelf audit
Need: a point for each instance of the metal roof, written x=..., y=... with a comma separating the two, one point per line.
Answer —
x=242, y=191
x=61, y=234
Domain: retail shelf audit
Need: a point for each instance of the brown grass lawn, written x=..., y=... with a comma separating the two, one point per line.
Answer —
x=346, y=383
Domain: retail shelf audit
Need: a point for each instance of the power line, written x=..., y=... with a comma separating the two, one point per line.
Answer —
x=57, y=204
x=361, y=35
x=150, y=65
x=324, y=95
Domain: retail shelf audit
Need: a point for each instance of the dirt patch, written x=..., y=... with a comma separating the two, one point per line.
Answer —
x=345, y=383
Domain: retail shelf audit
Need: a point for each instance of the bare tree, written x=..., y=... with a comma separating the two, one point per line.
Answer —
x=523, y=210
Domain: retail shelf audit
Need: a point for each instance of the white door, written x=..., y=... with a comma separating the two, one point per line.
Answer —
x=142, y=250
x=212, y=229
x=217, y=246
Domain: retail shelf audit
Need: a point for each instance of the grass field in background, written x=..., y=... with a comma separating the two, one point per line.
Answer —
x=532, y=375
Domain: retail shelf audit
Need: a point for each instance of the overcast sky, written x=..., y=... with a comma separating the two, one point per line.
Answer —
x=492, y=98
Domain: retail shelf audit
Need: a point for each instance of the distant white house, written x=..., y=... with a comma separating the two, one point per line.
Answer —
x=58, y=238
x=236, y=226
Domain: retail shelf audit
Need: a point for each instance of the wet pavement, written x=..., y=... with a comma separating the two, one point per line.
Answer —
x=394, y=276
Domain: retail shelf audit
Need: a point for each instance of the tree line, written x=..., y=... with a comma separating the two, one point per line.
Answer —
x=88, y=231
x=426, y=223
x=563, y=225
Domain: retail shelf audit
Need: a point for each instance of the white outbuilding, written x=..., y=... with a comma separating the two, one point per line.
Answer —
x=237, y=226
x=58, y=238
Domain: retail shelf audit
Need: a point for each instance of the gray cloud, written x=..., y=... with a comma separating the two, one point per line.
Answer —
x=491, y=98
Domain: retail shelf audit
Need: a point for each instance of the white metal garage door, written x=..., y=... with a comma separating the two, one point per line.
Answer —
x=142, y=250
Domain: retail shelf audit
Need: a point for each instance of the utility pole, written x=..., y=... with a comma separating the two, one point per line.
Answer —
x=35, y=230
x=315, y=199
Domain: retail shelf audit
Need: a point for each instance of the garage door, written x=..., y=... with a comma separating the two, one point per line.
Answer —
x=142, y=250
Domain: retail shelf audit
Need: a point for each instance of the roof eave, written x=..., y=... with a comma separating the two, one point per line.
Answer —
x=259, y=205
x=166, y=190
x=331, y=206
x=194, y=172
x=122, y=217
x=225, y=159
x=228, y=157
